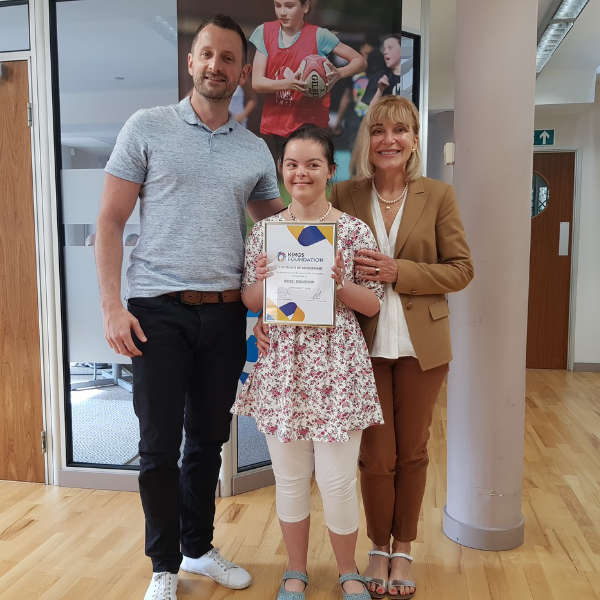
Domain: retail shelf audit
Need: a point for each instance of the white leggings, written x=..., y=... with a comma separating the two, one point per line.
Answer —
x=335, y=465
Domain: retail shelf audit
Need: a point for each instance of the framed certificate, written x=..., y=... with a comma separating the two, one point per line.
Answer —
x=299, y=289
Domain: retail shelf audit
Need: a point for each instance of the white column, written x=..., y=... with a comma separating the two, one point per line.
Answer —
x=494, y=109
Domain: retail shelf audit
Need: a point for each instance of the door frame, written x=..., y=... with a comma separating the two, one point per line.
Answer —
x=233, y=481
x=45, y=229
x=574, y=243
x=42, y=72
x=45, y=226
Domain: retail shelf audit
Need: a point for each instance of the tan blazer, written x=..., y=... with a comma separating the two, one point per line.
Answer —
x=433, y=259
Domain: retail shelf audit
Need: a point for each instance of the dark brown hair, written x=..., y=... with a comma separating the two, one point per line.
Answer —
x=311, y=132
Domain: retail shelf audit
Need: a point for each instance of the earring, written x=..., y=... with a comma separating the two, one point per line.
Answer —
x=413, y=149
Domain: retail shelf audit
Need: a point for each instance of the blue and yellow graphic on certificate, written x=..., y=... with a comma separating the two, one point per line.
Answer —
x=300, y=290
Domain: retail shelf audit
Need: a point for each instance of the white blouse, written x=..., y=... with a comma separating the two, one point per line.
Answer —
x=392, y=339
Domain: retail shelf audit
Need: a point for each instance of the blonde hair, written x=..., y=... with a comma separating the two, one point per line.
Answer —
x=389, y=109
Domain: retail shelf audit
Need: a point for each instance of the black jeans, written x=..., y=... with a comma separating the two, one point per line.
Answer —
x=186, y=377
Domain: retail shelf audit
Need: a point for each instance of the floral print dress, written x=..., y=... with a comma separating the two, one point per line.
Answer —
x=316, y=383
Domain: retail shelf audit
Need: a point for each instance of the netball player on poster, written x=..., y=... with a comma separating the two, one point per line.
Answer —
x=281, y=46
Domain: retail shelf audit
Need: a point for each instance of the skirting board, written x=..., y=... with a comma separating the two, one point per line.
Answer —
x=587, y=367
x=99, y=480
x=252, y=481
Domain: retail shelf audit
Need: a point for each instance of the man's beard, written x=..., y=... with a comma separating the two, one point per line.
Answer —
x=214, y=95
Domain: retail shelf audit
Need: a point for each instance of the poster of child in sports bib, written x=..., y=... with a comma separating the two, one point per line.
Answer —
x=313, y=61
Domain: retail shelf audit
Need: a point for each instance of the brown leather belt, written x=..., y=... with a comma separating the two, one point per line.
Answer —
x=194, y=298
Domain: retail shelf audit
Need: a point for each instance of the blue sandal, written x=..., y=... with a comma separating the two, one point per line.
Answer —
x=286, y=594
x=364, y=595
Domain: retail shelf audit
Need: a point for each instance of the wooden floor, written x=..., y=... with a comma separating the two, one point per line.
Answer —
x=71, y=544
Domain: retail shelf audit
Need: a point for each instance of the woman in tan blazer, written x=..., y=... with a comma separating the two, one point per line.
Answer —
x=423, y=256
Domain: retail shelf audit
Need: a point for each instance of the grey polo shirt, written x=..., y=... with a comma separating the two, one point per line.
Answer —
x=195, y=185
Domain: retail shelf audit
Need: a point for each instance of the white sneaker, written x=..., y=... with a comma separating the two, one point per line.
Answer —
x=213, y=565
x=162, y=587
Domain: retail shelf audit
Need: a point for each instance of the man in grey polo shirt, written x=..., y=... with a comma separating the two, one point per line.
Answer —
x=194, y=169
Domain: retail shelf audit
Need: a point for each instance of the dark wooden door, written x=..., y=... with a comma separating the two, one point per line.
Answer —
x=550, y=266
x=21, y=457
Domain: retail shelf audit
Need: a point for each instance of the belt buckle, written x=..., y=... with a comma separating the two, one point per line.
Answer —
x=184, y=301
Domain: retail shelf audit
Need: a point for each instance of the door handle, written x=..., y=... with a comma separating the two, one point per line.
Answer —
x=563, y=239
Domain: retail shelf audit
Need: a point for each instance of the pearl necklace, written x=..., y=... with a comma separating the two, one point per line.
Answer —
x=316, y=220
x=390, y=202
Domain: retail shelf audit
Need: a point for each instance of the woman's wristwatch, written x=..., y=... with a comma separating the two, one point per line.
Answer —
x=340, y=285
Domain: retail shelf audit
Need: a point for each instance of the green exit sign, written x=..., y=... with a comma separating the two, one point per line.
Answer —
x=543, y=137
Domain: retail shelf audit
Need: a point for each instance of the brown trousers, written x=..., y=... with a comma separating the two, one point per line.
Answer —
x=393, y=457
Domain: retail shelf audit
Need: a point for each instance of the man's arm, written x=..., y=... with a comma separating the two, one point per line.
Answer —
x=118, y=201
x=261, y=209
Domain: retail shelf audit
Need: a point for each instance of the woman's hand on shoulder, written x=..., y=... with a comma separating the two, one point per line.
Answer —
x=375, y=266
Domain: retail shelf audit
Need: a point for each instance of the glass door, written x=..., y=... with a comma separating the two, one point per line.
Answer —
x=113, y=57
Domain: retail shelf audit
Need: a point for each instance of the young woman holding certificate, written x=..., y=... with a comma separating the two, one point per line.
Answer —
x=313, y=393
x=423, y=255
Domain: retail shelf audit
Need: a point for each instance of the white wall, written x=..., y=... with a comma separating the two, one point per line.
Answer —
x=411, y=16
x=110, y=107
x=441, y=131
x=568, y=78
x=442, y=29
x=572, y=131
x=582, y=131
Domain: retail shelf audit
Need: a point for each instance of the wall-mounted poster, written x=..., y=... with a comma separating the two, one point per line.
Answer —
x=318, y=61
